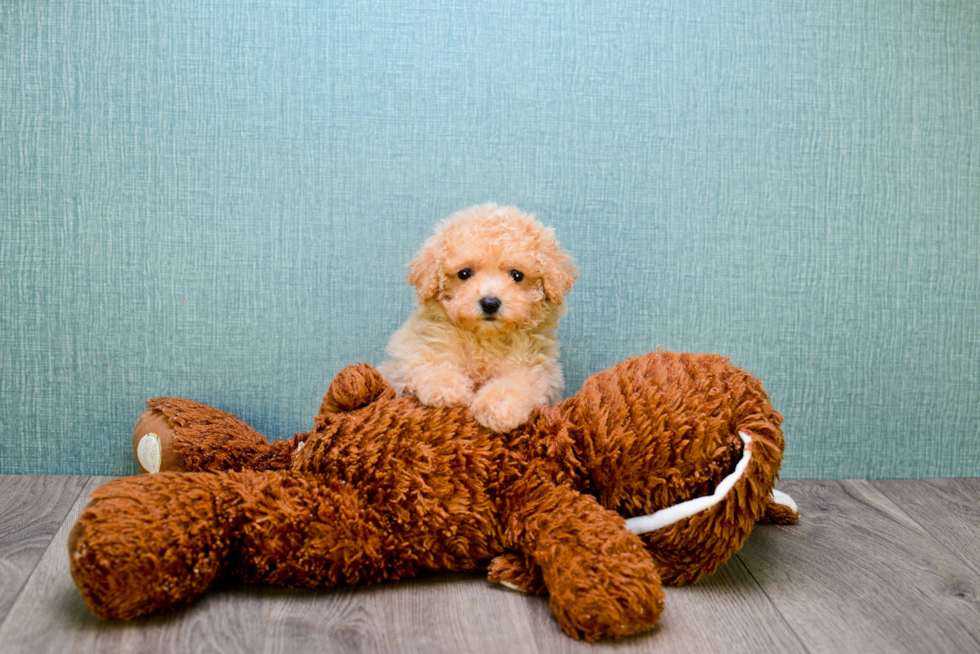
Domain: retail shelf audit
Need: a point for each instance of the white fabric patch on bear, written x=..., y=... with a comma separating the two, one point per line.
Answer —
x=643, y=524
x=148, y=452
x=779, y=497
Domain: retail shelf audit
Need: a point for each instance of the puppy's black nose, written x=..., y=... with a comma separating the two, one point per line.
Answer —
x=490, y=305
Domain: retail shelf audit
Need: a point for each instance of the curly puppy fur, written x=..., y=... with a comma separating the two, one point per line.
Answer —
x=491, y=285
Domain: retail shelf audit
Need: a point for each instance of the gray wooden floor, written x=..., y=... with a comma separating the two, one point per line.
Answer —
x=883, y=566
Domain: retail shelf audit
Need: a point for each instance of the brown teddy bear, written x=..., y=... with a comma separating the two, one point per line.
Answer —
x=655, y=472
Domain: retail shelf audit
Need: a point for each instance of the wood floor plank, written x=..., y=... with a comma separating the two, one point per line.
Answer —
x=730, y=612
x=726, y=612
x=949, y=509
x=32, y=508
x=857, y=574
x=432, y=614
x=49, y=615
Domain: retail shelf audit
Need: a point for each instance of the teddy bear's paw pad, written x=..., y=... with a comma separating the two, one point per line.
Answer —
x=780, y=509
x=153, y=443
x=513, y=571
x=148, y=452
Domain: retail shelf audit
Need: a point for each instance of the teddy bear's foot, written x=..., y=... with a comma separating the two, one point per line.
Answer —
x=140, y=546
x=517, y=572
x=148, y=453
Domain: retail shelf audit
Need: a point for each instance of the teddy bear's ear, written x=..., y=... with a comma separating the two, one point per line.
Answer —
x=423, y=271
x=559, y=276
x=355, y=387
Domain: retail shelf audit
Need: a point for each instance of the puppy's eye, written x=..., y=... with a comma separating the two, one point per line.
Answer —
x=516, y=275
x=465, y=273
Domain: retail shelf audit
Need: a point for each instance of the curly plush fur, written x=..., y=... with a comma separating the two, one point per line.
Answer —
x=384, y=487
x=491, y=285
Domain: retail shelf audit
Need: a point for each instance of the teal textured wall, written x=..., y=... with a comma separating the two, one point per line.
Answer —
x=215, y=199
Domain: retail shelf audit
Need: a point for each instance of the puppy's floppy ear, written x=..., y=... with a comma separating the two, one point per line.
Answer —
x=559, y=275
x=424, y=271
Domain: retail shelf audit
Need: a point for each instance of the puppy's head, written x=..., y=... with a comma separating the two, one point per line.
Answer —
x=491, y=268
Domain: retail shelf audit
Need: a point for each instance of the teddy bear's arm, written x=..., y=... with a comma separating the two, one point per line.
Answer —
x=601, y=580
x=176, y=435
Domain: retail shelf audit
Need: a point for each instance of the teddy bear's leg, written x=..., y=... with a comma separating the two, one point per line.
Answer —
x=602, y=581
x=302, y=530
x=175, y=435
x=151, y=542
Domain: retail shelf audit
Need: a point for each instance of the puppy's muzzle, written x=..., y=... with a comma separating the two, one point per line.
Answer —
x=490, y=306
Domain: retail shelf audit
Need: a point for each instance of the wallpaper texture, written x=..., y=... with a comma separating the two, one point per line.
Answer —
x=216, y=199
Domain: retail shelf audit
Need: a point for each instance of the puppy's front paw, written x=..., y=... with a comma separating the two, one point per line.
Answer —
x=445, y=394
x=501, y=407
x=497, y=418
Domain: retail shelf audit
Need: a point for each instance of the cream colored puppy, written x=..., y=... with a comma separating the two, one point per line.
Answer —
x=491, y=285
